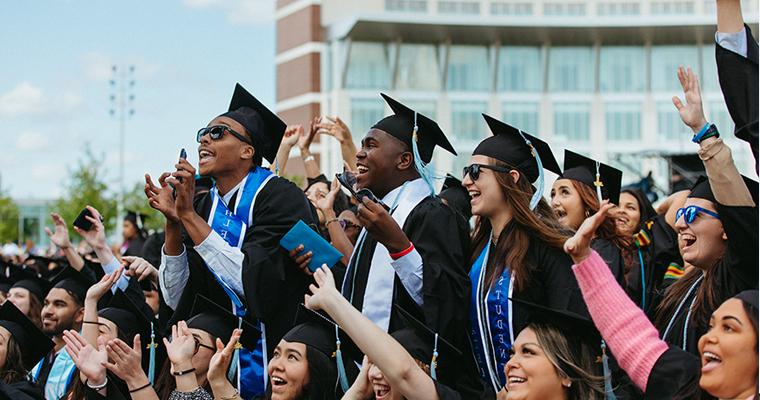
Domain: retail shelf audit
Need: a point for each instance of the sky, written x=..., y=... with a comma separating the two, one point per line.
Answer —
x=55, y=93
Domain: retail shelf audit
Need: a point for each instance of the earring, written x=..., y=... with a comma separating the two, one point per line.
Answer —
x=587, y=213
x=568, y=384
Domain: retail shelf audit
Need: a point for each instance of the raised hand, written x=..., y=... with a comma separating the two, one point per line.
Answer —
x=220, y=361
x=323, y=291
x=126, y=362
x=305, y=138
x=362, y=387
x=96, y=236
x=579, y=246
x=183, y=180
x=335, y=127
x=60, y=237
x=327, y=202
x=89, y=361
x=96, y=291
x=379, y=223
x=161, y=197
x=182, y=347
x=691, y=113
x=140, y=268
x=292, y=135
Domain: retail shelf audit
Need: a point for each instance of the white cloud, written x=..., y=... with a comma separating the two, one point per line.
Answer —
x=99, y=67
x=25, y=98
x=31, y=141
x=239, y=11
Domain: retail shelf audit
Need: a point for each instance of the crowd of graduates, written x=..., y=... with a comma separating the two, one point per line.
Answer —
x=374, y=284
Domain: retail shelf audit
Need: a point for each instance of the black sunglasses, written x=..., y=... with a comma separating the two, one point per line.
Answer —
x=474, y=170
x=217, y=131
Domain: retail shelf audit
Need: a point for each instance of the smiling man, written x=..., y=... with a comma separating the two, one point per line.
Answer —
x=413, y=255
x=224, y=244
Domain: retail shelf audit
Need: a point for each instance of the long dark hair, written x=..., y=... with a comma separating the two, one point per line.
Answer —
x=14, y=370
x=607, y=229
x=323, y=377
x=646, y=210
x=515, y=239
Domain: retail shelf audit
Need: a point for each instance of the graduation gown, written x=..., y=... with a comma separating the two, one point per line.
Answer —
x=611, y=255
x=738, y=81
x=736, y=271
x=272, y=282
x=21, y=390
x=675, y=375
x=134, y=247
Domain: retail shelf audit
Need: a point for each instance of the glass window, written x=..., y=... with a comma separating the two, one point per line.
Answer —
x=665, y=63
x=709, y=81
x=571, y=69
x=521, y=115
x=618, y=8
x=564, y=9
x=364, y=114
x=618, y=73
x=458, y=7
x=669, y=124
x=508, y=8
x=571, y=121
x=623, y=121
x=467, y=123
x=672, y=7
x=406, y=5
x=468, y=69
x=368, y=66
x=520, y=69
x=418, y=67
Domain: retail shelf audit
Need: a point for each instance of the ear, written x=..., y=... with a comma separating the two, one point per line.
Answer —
x=247, y=152
x=79, y=316
x=566, y=383
x=515, y=175
x=405, y=161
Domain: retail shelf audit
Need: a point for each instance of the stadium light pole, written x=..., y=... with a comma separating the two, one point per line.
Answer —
x=122, y=88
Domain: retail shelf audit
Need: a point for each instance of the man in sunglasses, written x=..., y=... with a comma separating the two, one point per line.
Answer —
x=224, y=244
x=413, y=253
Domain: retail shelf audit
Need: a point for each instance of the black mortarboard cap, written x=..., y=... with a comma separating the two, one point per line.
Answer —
x=457, y=196
x=34, y=344
x=136, y=218
x=264, y=127
x=702, y=189
x=73, y=281
x=30, y=280
x=749, y=296
x=419, y=341
x=220, y=322
x=573, y=326
x=401, y=126
x=583, y=169
x=508, y=146
x=129, y=317
x=318, y=331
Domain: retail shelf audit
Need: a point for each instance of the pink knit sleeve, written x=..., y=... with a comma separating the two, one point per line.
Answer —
x=630, y=336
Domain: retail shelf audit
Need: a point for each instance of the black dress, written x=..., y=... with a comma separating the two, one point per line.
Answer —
x=273, y=284
x=738, y=81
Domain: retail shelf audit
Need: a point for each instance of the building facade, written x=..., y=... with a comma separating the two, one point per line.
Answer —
x=594, y=76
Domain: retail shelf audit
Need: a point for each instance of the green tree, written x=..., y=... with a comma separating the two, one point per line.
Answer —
x=86, y=185
x=9, y=214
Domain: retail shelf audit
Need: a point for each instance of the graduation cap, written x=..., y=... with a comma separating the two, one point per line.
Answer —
x=34, y=344
x=219, y=322
x=263, y=126
x=702, y=189
x=137, y=218
x=456, y=196
x=30, y=280
x=602, y=178
x=72, y=281
x=320, y=332
x=423, y=344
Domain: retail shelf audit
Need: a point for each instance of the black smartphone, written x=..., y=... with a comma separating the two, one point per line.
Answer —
x=348, y=180
x=182, y=156
x=82, y=222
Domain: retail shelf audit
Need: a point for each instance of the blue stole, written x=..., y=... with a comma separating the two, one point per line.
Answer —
x=231, y=226
x=60, y=375
x=491, y=321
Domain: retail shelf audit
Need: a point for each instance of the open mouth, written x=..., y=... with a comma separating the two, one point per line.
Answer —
x=278, y=382
x=688, y=240
x=560, y=213
x=474, y=195
x=361, y=169
x=381, y=391
x=514, y=381
x=205, y=156
x=710, y=361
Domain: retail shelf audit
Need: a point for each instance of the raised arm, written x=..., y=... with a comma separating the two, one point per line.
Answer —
x=730, y=18
x=289, y=139
x=335, y=127
x=304, y=143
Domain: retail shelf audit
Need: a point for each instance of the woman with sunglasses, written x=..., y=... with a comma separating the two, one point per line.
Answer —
x=718, y=230
x=515, y=252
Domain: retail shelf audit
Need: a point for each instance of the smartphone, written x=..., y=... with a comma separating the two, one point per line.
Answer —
x=82, y=222
x=348, y=180
x=182, y=156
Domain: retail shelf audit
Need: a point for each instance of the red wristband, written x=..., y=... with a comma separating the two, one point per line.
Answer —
x=396, y=256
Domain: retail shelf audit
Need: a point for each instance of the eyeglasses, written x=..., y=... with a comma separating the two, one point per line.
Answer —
x=474, y=170
x=345, y=224
x=198, y=345
x=217, y=131
x=690, y=213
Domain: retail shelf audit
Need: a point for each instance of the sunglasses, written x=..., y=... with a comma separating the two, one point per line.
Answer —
x=198, y=345
x=474, y=170
x=690, y=213
x=345, y=224
x=217, y=131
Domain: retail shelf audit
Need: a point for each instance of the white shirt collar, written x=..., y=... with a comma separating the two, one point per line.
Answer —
x=226, y=198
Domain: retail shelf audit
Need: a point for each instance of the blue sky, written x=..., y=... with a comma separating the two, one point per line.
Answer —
x=54, y=91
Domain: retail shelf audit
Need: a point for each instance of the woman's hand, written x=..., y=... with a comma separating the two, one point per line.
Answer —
x=579, y=246
x=126, y=362
x=325, y=290
x=691, y=113
x=89, y=361
x=60, y=237
x=326, y=203
x=220, y=362
x=96, y=291
x=140, y=268
x=361, y=388
x=182, y=347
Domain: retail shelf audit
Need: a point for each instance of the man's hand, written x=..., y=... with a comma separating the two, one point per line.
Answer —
x=579, y=246
x=161, y=197
x=302, y=260
x=183, y=180
x=379, y=223
x=60, y=237
x=691, y=113
x=96, y=236
x=139, y=267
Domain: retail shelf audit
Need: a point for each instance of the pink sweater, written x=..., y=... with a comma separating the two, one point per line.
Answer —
x=633, y=340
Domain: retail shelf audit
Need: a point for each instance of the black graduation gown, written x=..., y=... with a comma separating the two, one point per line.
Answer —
x=21, y=390
x=135, y=246
x=272, y=282
x=657, y=255
x=611, y=255
x=736, y=271
x=441, y=241
x=675, y=375
x=738, y=81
